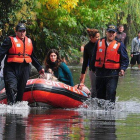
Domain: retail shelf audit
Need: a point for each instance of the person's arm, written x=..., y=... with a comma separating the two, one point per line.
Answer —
x=84, y=66
x=4, y=48
x=67, y=71
x=2, y=65
x=124, y=60
x=36, y=64
x=92, y=62
x=82, y=78
x=85, y=60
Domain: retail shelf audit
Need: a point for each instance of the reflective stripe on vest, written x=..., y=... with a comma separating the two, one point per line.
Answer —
x=20, y=51
x=108, y=56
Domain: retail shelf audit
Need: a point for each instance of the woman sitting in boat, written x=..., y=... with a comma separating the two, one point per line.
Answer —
x=57, y=67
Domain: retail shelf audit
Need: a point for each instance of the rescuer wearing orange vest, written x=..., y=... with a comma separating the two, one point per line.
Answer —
x=109, y=60
x=19, y=53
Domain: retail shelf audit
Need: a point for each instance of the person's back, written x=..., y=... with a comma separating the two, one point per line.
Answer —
x=64, y=74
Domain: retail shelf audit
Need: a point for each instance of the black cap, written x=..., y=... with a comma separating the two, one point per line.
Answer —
x=112, y=28
x=20, y=26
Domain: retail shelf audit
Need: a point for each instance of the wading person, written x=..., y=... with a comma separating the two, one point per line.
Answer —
x=121, y=36
x=57, y=67
x=109, y=60
x=135, y=51
x=94, y=35
x=19, y=53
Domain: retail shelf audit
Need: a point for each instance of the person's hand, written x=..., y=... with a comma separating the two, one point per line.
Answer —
x=41, y=71
x=80, y=86
x=121, y=73
x=50, y=71
x=131, y=55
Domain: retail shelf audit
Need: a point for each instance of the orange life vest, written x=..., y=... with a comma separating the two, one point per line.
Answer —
x=20, y=51
x=108, y=56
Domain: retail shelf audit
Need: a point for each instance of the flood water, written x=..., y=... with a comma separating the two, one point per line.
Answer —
x=20, y=122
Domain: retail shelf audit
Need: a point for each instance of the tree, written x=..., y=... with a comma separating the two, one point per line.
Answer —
x=59, y=24
x=129, y=16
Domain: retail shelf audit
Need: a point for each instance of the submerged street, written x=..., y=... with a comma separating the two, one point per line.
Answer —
x=23, y=122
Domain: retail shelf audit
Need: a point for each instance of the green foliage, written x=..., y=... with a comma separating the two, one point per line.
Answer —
x=129, y=16
x=59, y=24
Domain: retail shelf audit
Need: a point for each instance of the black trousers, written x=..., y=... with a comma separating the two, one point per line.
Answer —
x=15, y=78
x=106, y=88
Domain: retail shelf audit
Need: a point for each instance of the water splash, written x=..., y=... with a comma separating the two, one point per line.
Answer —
x=98, y=104
x=120, y=110
x=21, y=108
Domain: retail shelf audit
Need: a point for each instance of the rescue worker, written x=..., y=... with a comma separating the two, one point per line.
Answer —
x=109, y=60
x=19, y=53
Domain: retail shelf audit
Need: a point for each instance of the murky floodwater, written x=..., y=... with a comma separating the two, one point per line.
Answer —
x=20, y=122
